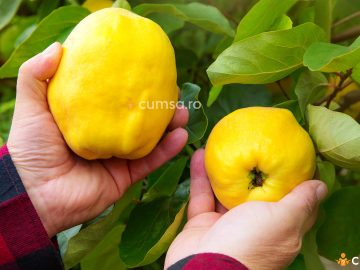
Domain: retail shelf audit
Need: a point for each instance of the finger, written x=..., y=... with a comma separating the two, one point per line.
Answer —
x=202, y=199
x=180, y=118
x=169, y=147
x=38, y=69
x=303, y=202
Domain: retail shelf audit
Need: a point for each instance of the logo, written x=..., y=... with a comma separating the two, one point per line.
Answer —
x=343, y=261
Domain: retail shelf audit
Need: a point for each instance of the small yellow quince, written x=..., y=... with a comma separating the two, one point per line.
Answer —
x=258, y=153
x=116, y=66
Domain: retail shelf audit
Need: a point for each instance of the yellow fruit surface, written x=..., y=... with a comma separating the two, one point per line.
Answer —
x=268, y=141
x=115, y=66
x=95, y=5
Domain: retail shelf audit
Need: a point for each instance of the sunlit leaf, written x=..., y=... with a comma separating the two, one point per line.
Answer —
x=264, y=58
x=204, y=16
x=52, y=28
x=328, y=57
x=336, y=135
x=259, y=19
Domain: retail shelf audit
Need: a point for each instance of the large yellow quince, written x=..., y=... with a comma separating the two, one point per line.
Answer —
x=116, y=67
x=258, y=153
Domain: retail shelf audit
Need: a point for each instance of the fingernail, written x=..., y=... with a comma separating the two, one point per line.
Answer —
x=321, y=192
x=49, y=50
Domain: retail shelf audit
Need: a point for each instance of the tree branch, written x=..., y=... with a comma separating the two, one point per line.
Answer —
x=346, y=19
x=346, y=35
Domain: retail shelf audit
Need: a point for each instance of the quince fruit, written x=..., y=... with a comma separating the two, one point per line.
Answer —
x=115, y=66
x=258, y=153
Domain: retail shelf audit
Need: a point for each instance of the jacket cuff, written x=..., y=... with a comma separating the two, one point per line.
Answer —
x=208, y=261
x=24, y=243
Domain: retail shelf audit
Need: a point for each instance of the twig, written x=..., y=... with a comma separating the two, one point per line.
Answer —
x=349, y=99
x=346, y=35
x=346, y=19
x=283, y=90
x=341, y=86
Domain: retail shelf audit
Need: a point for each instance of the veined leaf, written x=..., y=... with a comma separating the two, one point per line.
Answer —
x=167, y=182
x=262, y=17
x=206, y=17
x=310, y=87
x=151, y=228
x=197, y=121
x=108, y=248
x=336, y=135
x=328, y=57
x=264, y=58
x=52, y=28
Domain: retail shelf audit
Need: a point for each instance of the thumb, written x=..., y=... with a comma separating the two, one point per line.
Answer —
x=33, y=77
x=303, y=202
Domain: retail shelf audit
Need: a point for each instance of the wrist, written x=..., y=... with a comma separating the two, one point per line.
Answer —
x=34, y=189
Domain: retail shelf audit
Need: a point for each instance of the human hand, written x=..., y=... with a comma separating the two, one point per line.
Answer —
x=261, y=235
x=65, y=189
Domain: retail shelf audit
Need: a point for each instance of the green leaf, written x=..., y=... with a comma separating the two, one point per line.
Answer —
x=236, y=96
x=204, y=16
x=327, y=174
x=327, y=57
x=282, y=23
x=64, y=237
x=9, y=36
x=49, y=30
x=336, y=135
x=309, y=248
x=7, y=11
x=1, y=141
x=340, y=231
x=47, y=7
x=264, y=58
x=122, y=4
x=214, y=93
x=151, y=228
x=167, y=22
x=297, y=264
x=293, y=106
x=310, y=87
x=262, y=17
x=167, y=182
x=355, y=75
x=197, y=121
x=85, y=241
x=323, y=15
x=7, y=106
x=106, y=254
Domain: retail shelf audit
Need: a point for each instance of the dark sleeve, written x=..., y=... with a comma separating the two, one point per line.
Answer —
x=24, y=243
x=208, y=261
